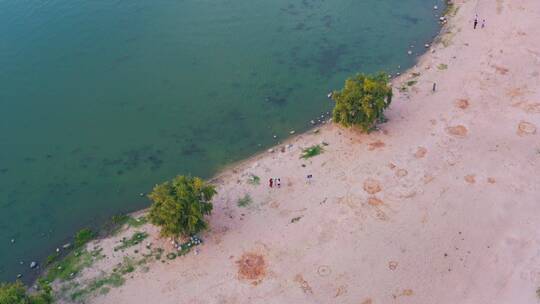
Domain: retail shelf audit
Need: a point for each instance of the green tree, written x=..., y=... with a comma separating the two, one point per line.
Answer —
x=13, y=293
x=179, y=206
x=362, y=101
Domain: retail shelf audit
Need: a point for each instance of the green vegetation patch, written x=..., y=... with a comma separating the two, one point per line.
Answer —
x=52, y=258
x=451, y=9
x=312, y=151
x=102, y=284
x=135, y=239
x=442, y=66
x=15, y=293
x=410, y=83
x=121, y=220
x=83, y=236
x=72, y=264
x=254, y=180
x=244, y=201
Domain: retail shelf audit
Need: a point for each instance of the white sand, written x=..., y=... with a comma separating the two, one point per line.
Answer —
x=457, y=217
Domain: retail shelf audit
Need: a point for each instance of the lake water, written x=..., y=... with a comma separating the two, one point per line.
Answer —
x=100, y=100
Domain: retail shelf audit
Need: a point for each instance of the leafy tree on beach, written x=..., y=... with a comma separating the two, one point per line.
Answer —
x=362, y=101
x=179, y=206
x=15, y=293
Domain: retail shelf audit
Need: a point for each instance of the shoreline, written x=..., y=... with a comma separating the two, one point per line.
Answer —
x=426, y=202
x=241, y=165
x=237, y=165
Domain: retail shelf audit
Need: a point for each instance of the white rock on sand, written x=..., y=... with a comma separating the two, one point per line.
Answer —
x=455, y=218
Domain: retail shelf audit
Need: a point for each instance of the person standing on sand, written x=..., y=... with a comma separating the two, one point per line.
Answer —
x=483, y=23
x=475, y=22
x=279, y=182
x=271, y=182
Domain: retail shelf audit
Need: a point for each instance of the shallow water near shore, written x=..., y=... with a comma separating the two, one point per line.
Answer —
x=99, y=101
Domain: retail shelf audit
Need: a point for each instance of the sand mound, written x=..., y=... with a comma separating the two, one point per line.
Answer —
x=372, y=186
x=373, y=201
x=459, y=131
x=462, y=103
x=471, y=179
x=420, y=152
x=251, y=266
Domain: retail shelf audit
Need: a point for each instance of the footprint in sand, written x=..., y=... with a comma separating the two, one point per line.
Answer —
x=420, y=152
x=377, y=206
x=376, y=145
x=401, y=173
x=528, y=107
x=457, y=131
x=501, y=70
x=405, y=292
x=526, y=128
x=462, y=103
x=372, y=186
x=304, y=285
x=324, y=270
x=373, y=201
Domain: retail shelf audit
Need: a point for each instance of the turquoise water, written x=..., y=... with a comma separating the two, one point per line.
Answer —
x=100, y=100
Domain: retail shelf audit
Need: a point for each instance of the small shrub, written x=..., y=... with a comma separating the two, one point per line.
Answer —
x=83, y=236
x=119, y=219
x=442, y=66
x=244, y=201
x=410, y=83
x=52, y=258
x=254, y=180
x=312, y=151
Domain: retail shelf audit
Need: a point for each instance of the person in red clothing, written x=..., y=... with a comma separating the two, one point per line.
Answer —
x=271, y=182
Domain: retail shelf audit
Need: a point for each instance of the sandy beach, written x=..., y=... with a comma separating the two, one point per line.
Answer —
x=441, y=205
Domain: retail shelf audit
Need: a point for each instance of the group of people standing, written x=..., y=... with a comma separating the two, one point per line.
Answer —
x=274, y=182
x=476, y=22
